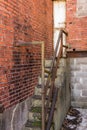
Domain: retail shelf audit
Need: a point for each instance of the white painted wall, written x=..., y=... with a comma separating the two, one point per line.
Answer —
x=59, y=15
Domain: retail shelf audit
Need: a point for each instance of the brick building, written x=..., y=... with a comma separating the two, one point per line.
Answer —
x=76, y=23
x=27, y=21
x=20, y=66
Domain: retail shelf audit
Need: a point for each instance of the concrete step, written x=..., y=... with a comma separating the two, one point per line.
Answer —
x=78, y=73
x=38, y=90
x=38, y=97
x=35, y=116
x=48, y=63
x=35, y=109
x=33, y=124
x=28, y=128
x=35, y=113
x=40, y=80
x=37, y=100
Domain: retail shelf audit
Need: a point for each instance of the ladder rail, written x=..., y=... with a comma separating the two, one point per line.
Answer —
x=51, y=80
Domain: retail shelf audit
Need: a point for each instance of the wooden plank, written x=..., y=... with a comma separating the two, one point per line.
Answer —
x=23, y=43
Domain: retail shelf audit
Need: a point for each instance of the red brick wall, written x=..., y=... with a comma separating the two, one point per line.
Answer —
x=76, y=26
x=26, y=20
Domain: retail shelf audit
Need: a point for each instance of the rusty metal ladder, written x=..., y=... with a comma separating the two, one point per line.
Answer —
x=47, y=115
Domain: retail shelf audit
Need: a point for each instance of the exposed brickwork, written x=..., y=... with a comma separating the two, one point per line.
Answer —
x=76, y=26
x=27, y=20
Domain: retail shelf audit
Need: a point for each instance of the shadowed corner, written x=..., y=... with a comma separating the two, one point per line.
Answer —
x=1, y=108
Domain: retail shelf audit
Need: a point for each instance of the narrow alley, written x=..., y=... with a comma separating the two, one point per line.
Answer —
x=43, y=64
x=76, y=119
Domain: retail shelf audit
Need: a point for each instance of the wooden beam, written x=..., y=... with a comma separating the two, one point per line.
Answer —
x=23, y=43
x=76, y=54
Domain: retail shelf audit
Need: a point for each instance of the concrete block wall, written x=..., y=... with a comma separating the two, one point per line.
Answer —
x=78, y=81
x=64, y=94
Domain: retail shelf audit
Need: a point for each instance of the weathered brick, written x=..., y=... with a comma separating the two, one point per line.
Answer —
x=28, y=21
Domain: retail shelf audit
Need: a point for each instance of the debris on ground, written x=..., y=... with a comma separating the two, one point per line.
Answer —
x=72, y=120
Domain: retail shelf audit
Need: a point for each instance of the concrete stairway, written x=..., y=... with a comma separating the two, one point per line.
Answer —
x=34, y=120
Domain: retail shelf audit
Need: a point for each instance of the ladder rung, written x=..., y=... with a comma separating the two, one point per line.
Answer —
x=65, y=46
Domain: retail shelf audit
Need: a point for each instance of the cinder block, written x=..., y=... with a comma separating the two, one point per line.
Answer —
x=74, y=80
x=84, y=81
x=84, y=92
x=83, y=67
x=76, y=94
x=81, y=60
x=79, y=104
x=77, y=86
x=72, y=61
x=75, y=67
